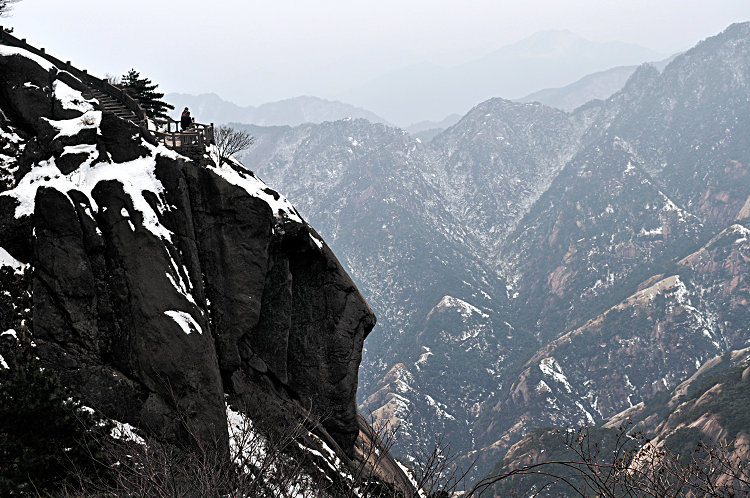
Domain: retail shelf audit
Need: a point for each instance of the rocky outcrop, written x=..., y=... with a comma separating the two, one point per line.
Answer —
x=161, y=287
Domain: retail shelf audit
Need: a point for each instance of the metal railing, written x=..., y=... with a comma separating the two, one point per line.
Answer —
x=198, y=135
x=92, y=81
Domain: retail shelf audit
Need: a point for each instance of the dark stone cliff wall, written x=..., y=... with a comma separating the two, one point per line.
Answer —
x=274, y=321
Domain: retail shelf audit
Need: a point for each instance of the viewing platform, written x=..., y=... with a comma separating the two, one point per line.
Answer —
x=197, y=137
x=117, y=101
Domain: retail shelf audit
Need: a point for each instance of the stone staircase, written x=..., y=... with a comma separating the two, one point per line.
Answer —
x=111, y=105
x=115, y=101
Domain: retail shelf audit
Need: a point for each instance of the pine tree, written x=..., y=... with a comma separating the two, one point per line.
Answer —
x=144, y=90
x=47, y=440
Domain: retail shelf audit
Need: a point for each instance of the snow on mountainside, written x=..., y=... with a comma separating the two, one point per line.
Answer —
x=559, y=227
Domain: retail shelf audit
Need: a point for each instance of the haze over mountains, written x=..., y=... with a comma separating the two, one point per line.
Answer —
x=545, y=59
x=599, y=85
x=414, y=96
x=535, y=267
x=210, y=108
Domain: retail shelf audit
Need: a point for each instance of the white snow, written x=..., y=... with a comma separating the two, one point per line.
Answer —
x=180, y=285
x=126, y=432
x=70, y=127
x=135, y=176
x=411, y=478
x=423, y=358
x=10, y=332
x=185, y=321
x=10, y=137
x=742, y=231
x=9, y=51
x=255, y=187
x=543, y=387
x=246, y=445
x=317, y=241
x=551, y=368
x=589, y=417
x=655, y=231
x=464, y=308
x=8, y=260
x=439, y=408
x=79, y=149
x=3, y=364
x=71, y=99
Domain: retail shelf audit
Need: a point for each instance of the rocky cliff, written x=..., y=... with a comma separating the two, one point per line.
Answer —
x=163, y=289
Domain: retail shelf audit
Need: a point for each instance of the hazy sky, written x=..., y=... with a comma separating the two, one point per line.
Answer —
x=253, y=52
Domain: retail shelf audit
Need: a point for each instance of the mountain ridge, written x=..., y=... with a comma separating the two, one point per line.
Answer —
x=209, y=107
x=626, y=188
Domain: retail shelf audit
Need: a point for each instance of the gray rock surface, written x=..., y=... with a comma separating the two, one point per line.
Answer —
x=161, y=288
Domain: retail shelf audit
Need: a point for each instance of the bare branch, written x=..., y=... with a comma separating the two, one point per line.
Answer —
x=230, y=141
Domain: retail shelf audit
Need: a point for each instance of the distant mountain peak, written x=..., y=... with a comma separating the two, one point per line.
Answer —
x=293, y=111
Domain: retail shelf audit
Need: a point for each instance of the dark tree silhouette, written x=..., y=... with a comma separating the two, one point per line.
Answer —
x=230, y=141
x=47, y=440
x=144, y=90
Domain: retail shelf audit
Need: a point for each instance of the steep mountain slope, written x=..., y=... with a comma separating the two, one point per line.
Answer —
x=687, y=126
x=365, y=186
x=601, y=85
x=596, y=86
x=369, y=190
x=586, y=214
x=702, y=417
x=646, y=344
x=164, y=290
x=495, y=163
x=602, y=223
x=622, y=219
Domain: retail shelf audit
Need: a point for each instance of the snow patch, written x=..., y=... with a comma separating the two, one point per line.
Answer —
x=655, y=231
x=551, y=368
x=79, y=149
x=10, y=332
x=71, y=99
x=8, y=260
x=186, y=322
x=317, y=241
x=411, y=478
x=246, y=445
x=126, y=432
x=71, y=127
x=464, y=308
x=7, y=51
x=135, y=176
x=280, y=207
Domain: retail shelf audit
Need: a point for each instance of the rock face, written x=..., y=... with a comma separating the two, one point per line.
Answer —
x=163, y=287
